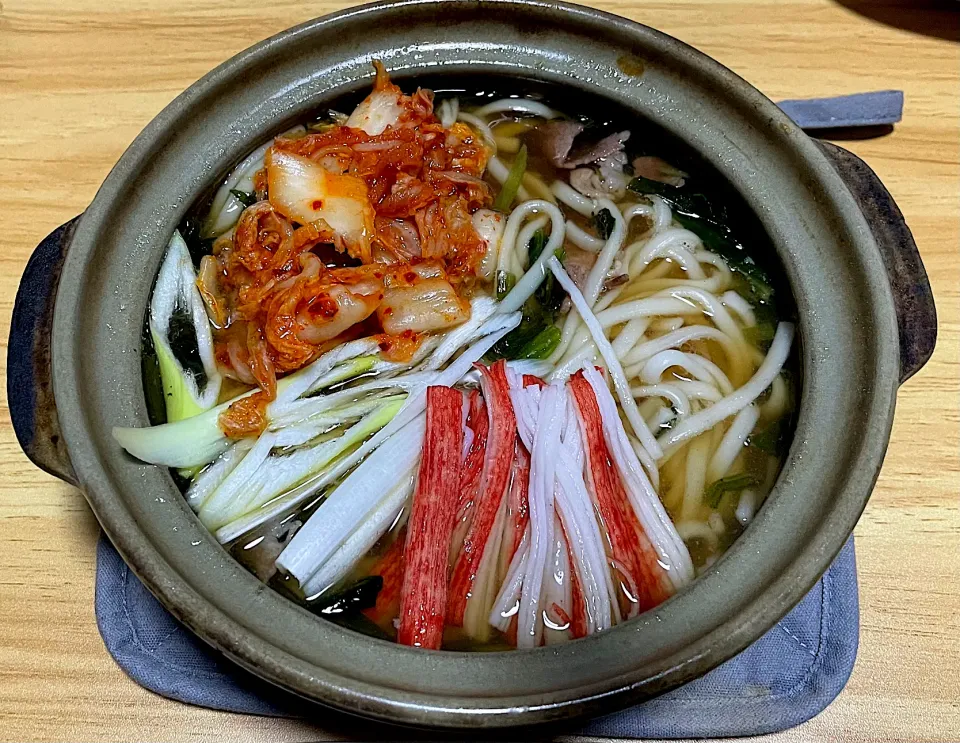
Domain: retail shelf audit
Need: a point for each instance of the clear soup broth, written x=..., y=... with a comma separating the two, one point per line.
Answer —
x=464, y=193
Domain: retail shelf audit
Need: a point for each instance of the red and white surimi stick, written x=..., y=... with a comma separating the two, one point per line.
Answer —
x=557, y=590
x=646, y=503
x=543, y=463
x=644, y=580
x=477, y=424
x=586, y=540
x=390, y=568
x=423, y=600
x=518, y=509
x=574, y=505
x=498, y=461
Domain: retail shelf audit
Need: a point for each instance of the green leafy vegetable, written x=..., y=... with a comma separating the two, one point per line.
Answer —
x=533, y=321
x=707, y=219
x=352, y=599
x=542, y=345
x=604, y=222
x=769, y=440
x=504, y=283
x=681, y=199
x=730, y=484
x=549, y=293
x=760, y=334
x=535, y=333
x=247, y=199
x=511, y=185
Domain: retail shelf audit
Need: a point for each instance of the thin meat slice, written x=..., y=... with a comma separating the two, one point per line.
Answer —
x=609, y=145
x=501, y=440
x=556, y=139
x=390, y=568
x=424, y=594
x=645, y=583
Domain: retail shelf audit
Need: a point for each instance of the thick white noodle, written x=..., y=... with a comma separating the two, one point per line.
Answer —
x=535, y=275
x=677, y=397
x=517, y=105
x=732, y=443
x=620, y=383
x=638, y=352
x=698, y=366
x=583, y=239
x=740, y=306
x=732, y=404
x=521, y=248
x=569, y=196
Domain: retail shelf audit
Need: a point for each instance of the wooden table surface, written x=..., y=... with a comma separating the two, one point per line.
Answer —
x=80, y=78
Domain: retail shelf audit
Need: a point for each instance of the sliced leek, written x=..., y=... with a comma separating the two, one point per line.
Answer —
x=182, y=338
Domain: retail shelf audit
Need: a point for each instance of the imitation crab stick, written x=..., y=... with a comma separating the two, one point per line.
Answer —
x=498, y=462
x=390, y=568
x=423, y=600
x=633, y=556
x=477, y=425
x=518, y=510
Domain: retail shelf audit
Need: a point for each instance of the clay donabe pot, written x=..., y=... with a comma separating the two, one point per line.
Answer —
x=866, y=323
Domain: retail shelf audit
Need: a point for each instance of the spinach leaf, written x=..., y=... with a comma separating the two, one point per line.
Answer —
x=549, y=293
x=770, y=439
x=533, y=335
x=505, y=281
x=542, y=345
x=729, y=484
x=511, y=185
x=604, y=222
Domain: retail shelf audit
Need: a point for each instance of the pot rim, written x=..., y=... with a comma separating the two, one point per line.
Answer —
x=80, y=352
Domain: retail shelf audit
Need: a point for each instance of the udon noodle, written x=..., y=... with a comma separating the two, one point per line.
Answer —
x=468, y=376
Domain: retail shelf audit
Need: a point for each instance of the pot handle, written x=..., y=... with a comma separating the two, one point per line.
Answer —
x=912, y=295
x=29, y=389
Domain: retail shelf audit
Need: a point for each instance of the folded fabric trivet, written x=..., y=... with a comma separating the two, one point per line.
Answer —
x=882, y=108
x=786, y=677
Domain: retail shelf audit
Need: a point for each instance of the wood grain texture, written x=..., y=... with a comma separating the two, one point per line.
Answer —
x=80, y=78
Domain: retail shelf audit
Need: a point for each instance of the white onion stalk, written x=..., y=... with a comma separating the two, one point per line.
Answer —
x=491, y=332
x=249, y=487
x=620, y=384
x=193, y=442
x=376, y=523
x=176, y=293
x=213, y=476
x=347, y=507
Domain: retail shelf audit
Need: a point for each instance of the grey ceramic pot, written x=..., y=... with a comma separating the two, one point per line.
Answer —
x=865, y=310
